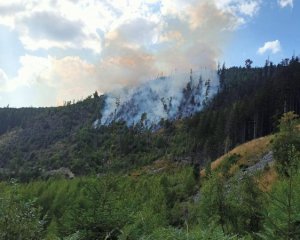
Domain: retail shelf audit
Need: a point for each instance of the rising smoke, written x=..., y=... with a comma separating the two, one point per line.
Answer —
x=192, y=39
x=113, y=44
x=189, y=35
x=165, y=98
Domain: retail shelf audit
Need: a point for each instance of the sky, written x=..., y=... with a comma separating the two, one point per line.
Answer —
x=52, y=51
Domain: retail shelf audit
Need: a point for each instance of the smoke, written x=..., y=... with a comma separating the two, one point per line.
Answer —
x=172, y=97
x=135, y=41
x=126, y=60
x=188, y=39
x=182, y=37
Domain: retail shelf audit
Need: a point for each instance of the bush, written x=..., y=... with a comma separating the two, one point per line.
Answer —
x=19, y=219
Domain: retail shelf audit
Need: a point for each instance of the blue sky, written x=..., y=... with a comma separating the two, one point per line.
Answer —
x=272, y=22
x=54, y=51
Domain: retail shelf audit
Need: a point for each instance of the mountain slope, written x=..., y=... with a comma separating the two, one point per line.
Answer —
x=168, y=98
x=247, y=105
x=249, y=154
x=43, y=138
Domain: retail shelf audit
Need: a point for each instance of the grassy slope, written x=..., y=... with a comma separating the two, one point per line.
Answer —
x=249, y=154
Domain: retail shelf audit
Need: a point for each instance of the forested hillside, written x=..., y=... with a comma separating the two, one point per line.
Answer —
x=248, y=105
x=36, y=139
x=139, y=183
x=167, y=200
x=149, y=120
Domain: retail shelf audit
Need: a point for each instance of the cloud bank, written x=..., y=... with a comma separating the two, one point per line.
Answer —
x=130, y=42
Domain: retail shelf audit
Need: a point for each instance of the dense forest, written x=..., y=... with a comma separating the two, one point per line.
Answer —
x=248, y=105
x=230, y=171
x=165, y=200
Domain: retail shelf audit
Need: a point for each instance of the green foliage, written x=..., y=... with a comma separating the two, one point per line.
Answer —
x=213, y=208
x=153, y=205
x=245, y=203
x=212, y=233
x=283, y=218
x=236, y=205
x=111, y=206
x=101, y=212
x=34, y=141
x=227, y=164
x=287, y=138
x=19, y=218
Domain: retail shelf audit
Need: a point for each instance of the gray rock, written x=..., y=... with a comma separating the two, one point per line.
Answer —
x=261, y=164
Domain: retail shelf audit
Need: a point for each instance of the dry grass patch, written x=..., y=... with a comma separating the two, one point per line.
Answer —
x=267, y=179
x=249, y=152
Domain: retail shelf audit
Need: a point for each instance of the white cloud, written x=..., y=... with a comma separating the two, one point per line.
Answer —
x=131, y=40
x=10, y=9
x=3, y=79
x=249, y=8
x=286, y=3
x=129, y=58
x=45, y=30
x=83, y=24
x=272, y=46
x=241, y=9
x=55, y=24
x=68, y=78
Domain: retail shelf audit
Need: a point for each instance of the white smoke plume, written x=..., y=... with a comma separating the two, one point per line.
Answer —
x=189, y=35
x=173, y=97
x=192, y=39
x=108, y=45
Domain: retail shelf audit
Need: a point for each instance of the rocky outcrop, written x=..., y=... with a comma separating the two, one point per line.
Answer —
x=267, y=159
